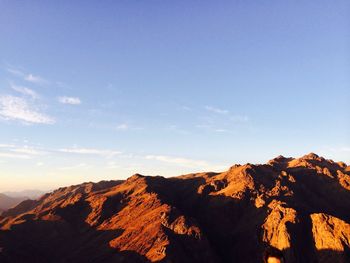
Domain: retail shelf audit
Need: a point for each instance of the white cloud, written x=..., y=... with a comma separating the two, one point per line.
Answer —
x=28, y=150
x=178, y=160
x=177, y=129
x=20, y=152
x=185, y=108
x=221, y=121
x=3, y=145
x=14, y=155
x=221, y=130
x=239, y=118
x=16, y=72
x=188, y=163
x=113, y=165
x=34, y=79
x=16, y=108
x=33, y=151
x=127, y=127
x=28, y=77
x=90, y=151
x=69, y=100
x=122, y=127
x=216, y=110
x=203, y=126
x=25, y=91
x=78, y=166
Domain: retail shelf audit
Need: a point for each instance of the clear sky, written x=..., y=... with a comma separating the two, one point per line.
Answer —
x=93, y=90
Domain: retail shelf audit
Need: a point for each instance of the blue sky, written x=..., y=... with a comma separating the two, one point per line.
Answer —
x=93, y=90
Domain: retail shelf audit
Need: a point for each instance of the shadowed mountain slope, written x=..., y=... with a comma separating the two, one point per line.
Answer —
x=7, y=202
x=300, y=206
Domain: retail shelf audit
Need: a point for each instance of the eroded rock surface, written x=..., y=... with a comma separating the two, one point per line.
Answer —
x=298, y=205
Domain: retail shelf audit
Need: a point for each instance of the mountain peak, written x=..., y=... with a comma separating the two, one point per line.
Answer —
x=279, y=160
x=311, y=156
x=199, y=217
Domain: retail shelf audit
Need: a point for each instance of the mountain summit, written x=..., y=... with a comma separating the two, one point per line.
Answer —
x=298, y=205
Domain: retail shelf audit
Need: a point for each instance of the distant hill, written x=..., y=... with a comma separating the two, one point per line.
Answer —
x=7, y=202
x=298, y=205
x=30, y=194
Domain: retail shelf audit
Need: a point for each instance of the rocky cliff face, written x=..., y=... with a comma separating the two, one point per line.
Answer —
x=300, y=206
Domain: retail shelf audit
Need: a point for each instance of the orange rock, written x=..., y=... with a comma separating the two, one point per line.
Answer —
x=298, y=205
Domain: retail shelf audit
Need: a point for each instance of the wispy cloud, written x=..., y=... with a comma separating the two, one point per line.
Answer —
x=3, y=145
x=24, y=90
x=113, y=165
x=14, y=155
x=216, y=110
x=221, y=130
x=239, y=118
x=178, y=160
x=33, y=151
x=19, y=109
x=127, y=127
x=77, y=166
x=122, y=127
x=20, y=152
x=28, y=76
x=16, y=72
x=35, y=79
x=186, y=162
x=185, y=108
x=177, y=129
x=91, y=151
x=69, y=100
x=212, y=128
x=222, y=121
x=29, y=151
x=203, y=126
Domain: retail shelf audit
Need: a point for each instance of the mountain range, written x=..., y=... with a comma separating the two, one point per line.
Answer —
x=29, y=194
x=7, y=202
x=297, y=205
x=11, y=199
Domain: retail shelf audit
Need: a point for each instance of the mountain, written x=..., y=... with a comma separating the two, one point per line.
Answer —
x=29, y=194
x=11, y=199
x=7, y=202
x=298, y=205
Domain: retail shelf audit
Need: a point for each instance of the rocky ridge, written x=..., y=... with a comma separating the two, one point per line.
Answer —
x=298, y=205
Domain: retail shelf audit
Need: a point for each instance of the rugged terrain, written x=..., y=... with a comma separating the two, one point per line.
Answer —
x=300, y=206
